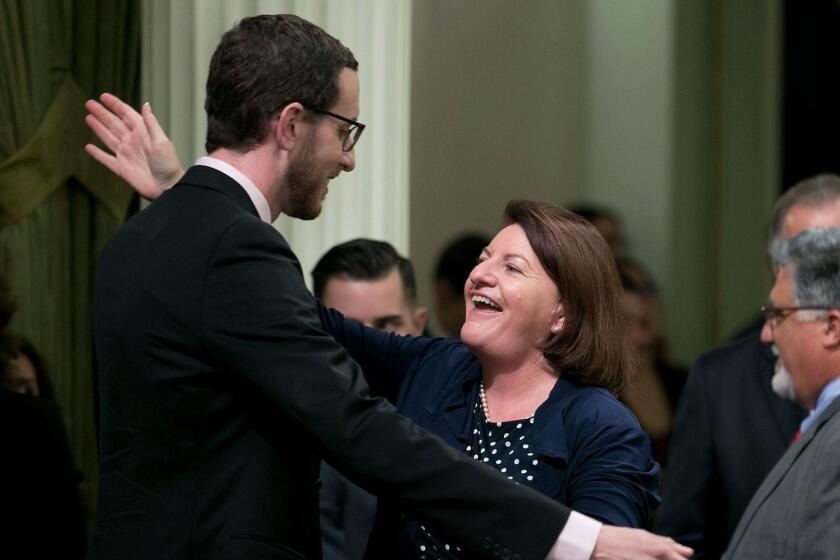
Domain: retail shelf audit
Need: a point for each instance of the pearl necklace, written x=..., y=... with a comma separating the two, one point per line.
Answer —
x=482, y=396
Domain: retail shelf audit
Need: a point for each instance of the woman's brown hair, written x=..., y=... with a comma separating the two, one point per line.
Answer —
x=594, y=347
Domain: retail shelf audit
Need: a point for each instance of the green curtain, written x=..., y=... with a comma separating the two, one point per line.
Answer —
x=57, y=206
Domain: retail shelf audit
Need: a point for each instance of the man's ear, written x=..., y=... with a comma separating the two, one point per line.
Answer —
x=832, y=328
x=289, y=125
x=420, y=316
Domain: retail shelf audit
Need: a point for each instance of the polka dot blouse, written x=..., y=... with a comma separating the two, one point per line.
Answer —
x=506, y=446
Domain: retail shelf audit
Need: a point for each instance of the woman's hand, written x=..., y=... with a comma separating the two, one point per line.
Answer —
x=141, y=152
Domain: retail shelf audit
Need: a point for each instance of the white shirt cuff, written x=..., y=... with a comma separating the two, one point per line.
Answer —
x=577, y=539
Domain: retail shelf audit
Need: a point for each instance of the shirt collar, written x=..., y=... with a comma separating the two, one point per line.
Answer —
x=260, y=203
x=827, y=395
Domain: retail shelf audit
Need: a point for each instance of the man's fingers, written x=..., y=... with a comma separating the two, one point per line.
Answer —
x=107, y=118
x=103, y=157
x=672, y=550
x=102, y=132
x=153, y=127
x=623, y=543
x=116, y=105
x=122, y=110
x=682, y=550
x=136, y=144
x=686, y=551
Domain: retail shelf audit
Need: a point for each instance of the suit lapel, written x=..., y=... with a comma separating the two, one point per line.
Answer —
x=780, y=470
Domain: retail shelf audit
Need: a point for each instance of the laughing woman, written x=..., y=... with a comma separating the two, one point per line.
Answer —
x=528, y=390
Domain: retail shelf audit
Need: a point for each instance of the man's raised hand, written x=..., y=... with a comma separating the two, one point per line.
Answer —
x=140, y=152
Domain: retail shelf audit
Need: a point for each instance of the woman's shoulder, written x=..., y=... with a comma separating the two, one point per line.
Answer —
x=592, y=422
x=591, y=407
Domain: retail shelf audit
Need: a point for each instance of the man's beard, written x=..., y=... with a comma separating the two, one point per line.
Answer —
x=782, y=382
x=303, y=184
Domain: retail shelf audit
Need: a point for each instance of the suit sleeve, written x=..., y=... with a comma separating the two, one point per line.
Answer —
x=685, y=511
x=260, y=325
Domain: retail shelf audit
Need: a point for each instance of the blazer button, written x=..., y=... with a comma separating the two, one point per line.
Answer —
x=497, y=550
x=487, y=543
x=506, y=554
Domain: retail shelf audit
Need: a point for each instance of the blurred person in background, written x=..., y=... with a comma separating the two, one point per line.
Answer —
x=26, y=372
x=607, y=223
x=39, y=500
x=653, y=395
x=368, y=281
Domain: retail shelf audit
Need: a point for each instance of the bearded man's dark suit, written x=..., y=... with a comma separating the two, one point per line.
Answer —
x=219, y=391
x=729, y=431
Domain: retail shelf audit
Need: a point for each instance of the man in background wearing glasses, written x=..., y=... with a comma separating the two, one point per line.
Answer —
x=796, y=511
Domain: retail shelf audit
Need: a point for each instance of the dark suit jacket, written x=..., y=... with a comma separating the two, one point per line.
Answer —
x=220, y=390
x=40, y=506
x=593, y=454
x=347, y=515
x=795, y=514
x=729, y=431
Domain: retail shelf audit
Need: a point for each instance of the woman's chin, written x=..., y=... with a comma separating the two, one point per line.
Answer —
x=474, y=336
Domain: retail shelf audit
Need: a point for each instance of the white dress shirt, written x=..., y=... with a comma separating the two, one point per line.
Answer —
x=260, y=203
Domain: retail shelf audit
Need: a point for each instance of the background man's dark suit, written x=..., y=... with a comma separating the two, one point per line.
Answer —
x=219, y=390
x=729, y=431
